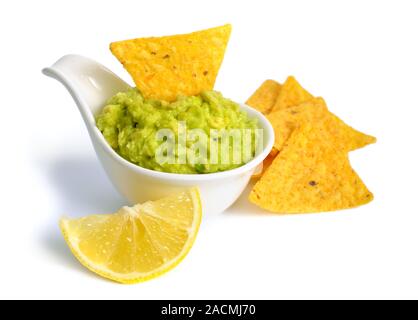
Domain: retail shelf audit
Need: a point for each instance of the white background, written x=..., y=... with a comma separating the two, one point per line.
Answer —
x=362, y=56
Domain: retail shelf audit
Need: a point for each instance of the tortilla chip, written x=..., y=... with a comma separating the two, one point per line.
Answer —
x=286, y=121
x=291, y=94
x=166, y=67
x=265, y=96
x=310, y=175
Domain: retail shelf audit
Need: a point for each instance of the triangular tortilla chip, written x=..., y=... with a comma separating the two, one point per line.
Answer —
x=166, y=67
x=291, y=94
x=287, y=120
x=310, y=175
x=265, y=96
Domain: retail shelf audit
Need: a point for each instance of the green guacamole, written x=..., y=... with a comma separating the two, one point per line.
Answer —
x=131, y=125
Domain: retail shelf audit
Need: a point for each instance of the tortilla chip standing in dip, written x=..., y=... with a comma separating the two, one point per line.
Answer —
x=164, y=68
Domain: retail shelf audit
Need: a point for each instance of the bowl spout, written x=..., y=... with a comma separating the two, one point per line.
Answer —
x=89, y=83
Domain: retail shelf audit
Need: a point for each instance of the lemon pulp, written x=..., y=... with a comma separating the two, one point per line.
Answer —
x=136, y=243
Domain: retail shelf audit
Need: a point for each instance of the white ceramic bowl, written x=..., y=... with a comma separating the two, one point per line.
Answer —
x=91, y=85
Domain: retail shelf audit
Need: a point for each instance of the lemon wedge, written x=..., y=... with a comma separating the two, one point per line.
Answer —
x=136, y=243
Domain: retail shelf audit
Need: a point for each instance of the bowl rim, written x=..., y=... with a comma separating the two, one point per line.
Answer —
x=264, y=124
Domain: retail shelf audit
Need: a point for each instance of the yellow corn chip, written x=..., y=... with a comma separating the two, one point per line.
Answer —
x=291, y=94
x=310, y=175
x=287, y=120
x=265, y=96
x=166, y=67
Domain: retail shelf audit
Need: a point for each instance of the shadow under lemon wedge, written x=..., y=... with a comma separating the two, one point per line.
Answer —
x=136, y=243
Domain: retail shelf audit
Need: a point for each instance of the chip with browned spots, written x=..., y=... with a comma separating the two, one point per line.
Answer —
x=167, y=67
x=311, y=174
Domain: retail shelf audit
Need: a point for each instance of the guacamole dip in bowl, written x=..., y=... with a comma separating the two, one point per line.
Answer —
x=192, y=135
x=92, y=86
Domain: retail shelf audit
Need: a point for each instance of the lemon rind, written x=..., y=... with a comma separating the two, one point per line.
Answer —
x=134, y=278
